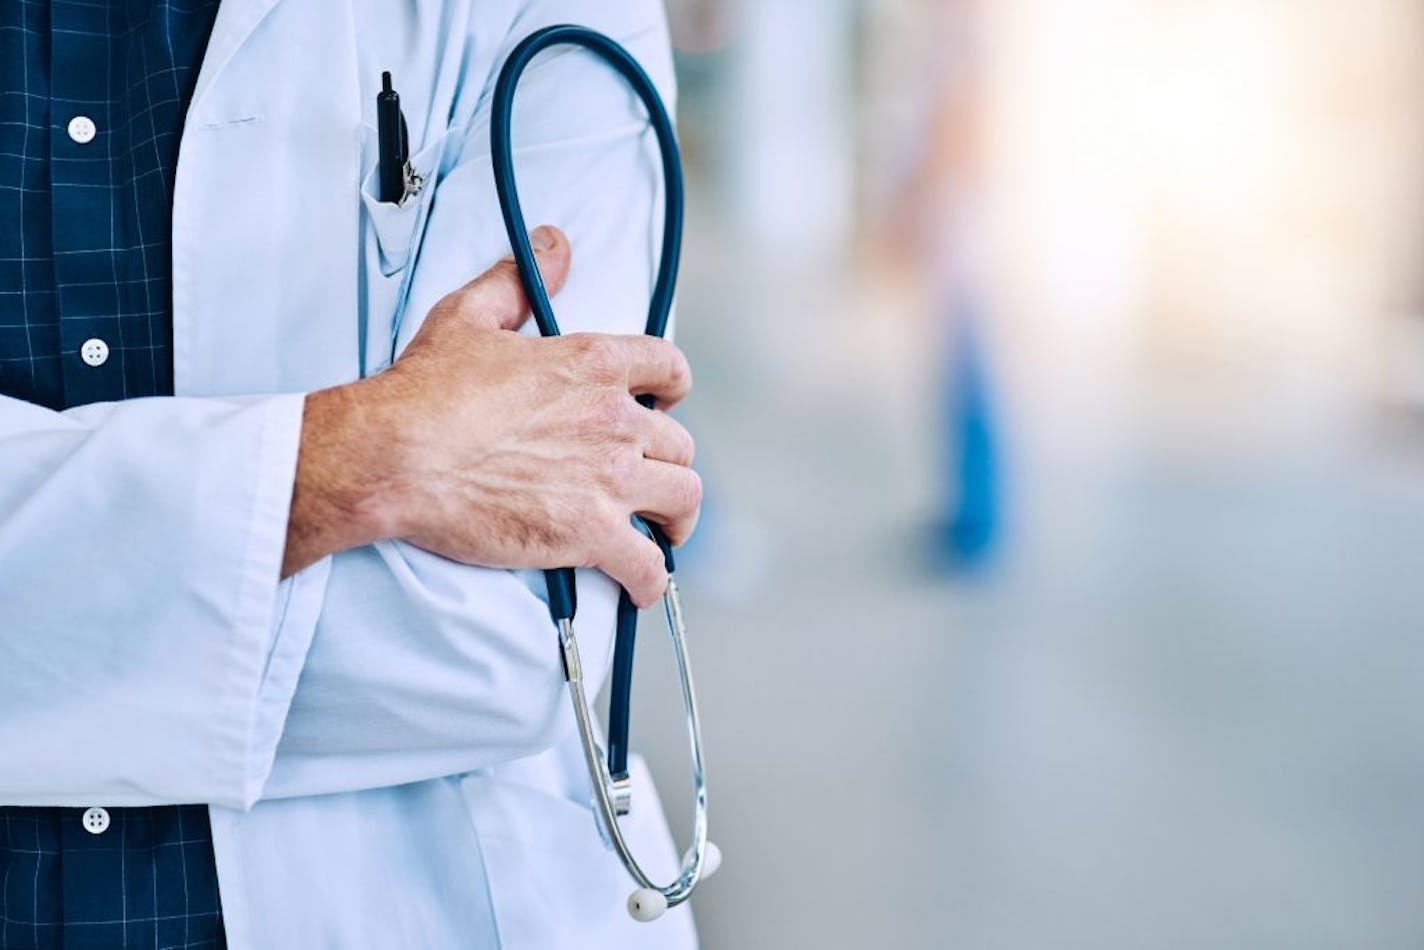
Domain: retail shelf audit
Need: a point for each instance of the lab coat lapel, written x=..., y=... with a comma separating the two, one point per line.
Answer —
x=235, y=22
x=266, y=201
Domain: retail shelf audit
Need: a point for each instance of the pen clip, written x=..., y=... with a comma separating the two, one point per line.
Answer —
x=412, y=180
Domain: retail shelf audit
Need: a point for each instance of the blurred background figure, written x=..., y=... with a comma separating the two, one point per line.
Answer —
x=1131, y=294
x=933, y=227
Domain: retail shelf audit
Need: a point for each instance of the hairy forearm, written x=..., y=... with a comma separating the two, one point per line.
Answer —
x=346, y=492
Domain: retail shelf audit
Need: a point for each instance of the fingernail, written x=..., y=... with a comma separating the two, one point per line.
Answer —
x=542, y=238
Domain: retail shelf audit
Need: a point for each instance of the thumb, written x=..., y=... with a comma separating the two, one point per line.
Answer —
x=496, y=300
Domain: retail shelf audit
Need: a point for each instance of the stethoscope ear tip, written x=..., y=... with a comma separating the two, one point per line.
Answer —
x=646, y=904
x=711, y=860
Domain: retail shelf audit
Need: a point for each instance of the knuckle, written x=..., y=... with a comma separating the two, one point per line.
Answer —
x=606, y=478
x=446, y=308
x=601, y=357
x=623, y=467
x=460, y=304
x=600, y=553
x=680, y=370
x=692, y=492
x=609, y=520
x=504, y=271
x=651, y=573
x=613, y=415
x=616, y=472
x=688, y=446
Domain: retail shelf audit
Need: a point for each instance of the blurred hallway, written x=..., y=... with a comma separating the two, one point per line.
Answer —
x=1181, y=708
x=1184, y=711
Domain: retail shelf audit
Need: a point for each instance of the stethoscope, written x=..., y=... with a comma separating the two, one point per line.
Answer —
x=612, y=793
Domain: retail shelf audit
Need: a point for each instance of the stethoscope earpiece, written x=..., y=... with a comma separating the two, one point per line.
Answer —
x=646, y=904
x=711, y=860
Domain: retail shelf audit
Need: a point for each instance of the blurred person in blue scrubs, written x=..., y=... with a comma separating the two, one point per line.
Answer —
x=940, y=202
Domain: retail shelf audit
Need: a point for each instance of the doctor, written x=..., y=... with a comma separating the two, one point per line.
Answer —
x=254, y=690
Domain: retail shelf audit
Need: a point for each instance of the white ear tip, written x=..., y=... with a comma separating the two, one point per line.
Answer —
x=711, y=859
x=646, y=904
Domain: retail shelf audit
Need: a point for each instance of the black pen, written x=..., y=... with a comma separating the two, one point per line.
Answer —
x=394, y=148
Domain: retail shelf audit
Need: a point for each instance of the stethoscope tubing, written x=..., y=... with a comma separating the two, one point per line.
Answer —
x=502, y=154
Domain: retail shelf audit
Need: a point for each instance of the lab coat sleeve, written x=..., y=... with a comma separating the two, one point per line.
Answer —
x=140, y=548
x=421, y=667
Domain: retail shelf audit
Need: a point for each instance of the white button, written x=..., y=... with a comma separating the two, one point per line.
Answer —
x=95, y=352
x=81, y=129
x=96, y=821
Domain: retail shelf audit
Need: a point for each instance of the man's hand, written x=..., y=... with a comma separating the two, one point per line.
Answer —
x=501, y=450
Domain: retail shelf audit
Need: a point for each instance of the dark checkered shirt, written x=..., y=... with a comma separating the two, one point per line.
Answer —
x=92, y=99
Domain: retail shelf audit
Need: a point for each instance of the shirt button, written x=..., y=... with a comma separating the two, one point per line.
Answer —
x=94, y=351
x=96, y=821
x=81, y=129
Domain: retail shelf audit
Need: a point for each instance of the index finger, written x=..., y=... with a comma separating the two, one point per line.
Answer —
x=656, y=367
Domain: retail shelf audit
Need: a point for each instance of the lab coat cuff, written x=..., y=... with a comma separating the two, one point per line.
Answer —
x=276, y=617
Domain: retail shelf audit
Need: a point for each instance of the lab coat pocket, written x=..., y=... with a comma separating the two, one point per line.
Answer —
x=391, y=242
x=396, y=226
x=553, y=882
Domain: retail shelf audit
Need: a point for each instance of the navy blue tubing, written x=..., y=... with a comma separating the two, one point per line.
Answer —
x=563, y=595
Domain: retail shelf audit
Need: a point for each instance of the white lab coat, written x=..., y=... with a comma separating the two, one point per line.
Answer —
x=385, y=737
